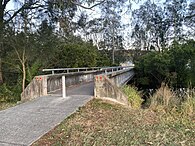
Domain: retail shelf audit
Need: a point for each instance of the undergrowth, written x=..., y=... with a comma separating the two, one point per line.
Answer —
x=10, y=93
x=166, y=101
x=134, y=96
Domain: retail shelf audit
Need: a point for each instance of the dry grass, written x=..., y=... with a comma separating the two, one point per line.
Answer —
x=5, y=105
x=165, y=97
x=166, y=101
x=100, y=123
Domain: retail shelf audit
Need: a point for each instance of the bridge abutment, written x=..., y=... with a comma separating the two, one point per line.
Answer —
x=107, y=86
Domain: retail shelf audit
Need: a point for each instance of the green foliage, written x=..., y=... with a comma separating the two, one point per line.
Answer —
x=78, y=54
x=134, y=97
x=152, y=69
x=10, y=93
x=174, y=66
x=182, y=63
x=32, y=70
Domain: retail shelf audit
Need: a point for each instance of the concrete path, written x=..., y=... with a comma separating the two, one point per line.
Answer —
x=23, y=124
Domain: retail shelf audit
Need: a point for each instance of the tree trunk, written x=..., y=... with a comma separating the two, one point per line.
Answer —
x=1, y=42
x=1, y=73
x=24, y=76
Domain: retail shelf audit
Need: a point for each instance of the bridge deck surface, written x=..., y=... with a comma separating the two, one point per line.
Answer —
x=23, y=124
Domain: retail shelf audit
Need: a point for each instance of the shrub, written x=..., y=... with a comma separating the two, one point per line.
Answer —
x=10, y=93
x=134, y=97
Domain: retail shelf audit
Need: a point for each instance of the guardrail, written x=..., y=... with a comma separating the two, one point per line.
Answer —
x=86, y=69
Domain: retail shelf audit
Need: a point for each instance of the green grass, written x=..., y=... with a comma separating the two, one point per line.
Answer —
x=104, y=123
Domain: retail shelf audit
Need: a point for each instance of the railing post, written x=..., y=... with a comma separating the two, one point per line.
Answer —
x=63, y=87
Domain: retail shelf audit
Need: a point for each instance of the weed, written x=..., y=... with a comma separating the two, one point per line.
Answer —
x=5, y=105
x=133, y=96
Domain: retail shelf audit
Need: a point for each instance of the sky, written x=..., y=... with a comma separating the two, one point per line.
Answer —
x=95, y=13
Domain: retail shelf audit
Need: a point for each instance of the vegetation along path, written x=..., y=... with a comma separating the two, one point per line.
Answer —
x=25, y=123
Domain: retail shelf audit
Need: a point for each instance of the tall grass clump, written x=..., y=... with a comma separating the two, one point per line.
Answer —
x=134, y=97
x=164, y=98
x=188, y=106
x=167, y=101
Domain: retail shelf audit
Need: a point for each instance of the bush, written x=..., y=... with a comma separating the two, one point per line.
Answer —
x=175, y=66
x=9, y=93
x=134, y=97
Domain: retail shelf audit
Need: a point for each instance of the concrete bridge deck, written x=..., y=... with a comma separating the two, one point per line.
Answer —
x=25, y=123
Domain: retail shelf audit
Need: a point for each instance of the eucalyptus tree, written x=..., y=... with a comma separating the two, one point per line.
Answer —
x=106, y=29
x=190, y=19
x=159, y=25
x=175, y=12
x=26, y=14
x=150, y=27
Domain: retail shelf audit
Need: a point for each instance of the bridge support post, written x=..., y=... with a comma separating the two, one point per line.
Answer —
x=63, y=87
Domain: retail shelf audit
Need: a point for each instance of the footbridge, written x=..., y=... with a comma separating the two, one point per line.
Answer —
x=100, y=82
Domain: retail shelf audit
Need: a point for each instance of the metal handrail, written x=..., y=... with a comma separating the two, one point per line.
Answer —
x=106, y=69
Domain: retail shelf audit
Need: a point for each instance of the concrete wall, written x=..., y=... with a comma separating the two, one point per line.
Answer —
x=107, y=86
x=121, y=77
x=54, y=82
x=36, y=88
x=46, y=84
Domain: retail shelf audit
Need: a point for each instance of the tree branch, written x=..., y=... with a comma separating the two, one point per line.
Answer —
x=190, y=16
x=24, y=7
x=5, y=3
x=89, y=8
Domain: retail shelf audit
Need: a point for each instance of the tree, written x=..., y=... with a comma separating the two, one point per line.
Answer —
x=58, y=11
x=150, y=27
x=175, y=66
x=106, y=30
x=156, y=26
x=190, y=19
x=176, y=12
x=77, y=53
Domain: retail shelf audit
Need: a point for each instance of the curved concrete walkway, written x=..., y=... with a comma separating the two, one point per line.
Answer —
x=25, y=123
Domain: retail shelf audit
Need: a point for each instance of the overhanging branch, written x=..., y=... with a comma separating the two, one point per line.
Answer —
x=24, y=7
x=85, y=7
